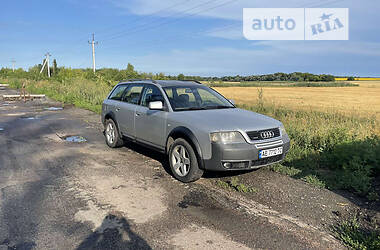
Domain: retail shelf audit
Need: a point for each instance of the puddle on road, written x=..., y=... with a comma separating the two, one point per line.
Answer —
x=15, y=114
x=30, y=118
x=53, y=108
x=74, y=138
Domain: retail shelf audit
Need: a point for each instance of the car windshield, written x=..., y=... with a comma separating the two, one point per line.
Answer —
x=195, y=98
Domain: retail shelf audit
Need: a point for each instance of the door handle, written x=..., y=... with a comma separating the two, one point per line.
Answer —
x=138, y=113
x=117, y=109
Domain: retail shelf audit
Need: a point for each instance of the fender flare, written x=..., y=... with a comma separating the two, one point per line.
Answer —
x=187, y=134
x=111, y=115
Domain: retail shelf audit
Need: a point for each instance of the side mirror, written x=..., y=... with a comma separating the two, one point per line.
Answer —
x=157, y=105
x=232, y=101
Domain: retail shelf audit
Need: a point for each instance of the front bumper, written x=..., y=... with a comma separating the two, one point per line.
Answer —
x=244, y=156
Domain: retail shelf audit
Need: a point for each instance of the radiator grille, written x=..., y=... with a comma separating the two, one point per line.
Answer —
x=263, y=134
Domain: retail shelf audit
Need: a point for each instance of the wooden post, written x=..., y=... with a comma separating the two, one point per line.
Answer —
x=23, y=90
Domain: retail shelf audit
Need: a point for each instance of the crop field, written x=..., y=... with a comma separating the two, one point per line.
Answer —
x=363, y=101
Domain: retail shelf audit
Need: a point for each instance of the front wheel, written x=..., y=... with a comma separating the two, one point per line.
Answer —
x=111, y=133
x=183, y=161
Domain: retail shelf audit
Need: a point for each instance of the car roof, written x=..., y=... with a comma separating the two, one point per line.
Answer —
x=164, y=83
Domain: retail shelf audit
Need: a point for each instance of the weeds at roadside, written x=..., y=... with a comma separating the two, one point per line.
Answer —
x=354, y=236
x=314, y=181
x=281, y=169
x=234, y=184
x=373, y=196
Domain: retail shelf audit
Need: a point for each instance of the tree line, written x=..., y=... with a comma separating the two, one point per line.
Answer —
x=115, y=75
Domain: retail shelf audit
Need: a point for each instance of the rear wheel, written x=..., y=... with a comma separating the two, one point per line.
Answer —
x=111, y=133
x=183, y=161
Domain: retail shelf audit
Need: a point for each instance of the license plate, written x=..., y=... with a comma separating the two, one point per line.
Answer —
x=265, y=153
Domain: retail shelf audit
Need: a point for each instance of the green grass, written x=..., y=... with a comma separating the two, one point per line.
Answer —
x=354, y=236
x=282, y=84
x=82, y=93
x=314, y=181
x=290, y=171
x=235, y=185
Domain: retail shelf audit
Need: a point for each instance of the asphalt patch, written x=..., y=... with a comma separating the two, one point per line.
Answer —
x=197, y=199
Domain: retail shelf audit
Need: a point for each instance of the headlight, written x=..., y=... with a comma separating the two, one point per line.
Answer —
x=227, y=137
x=283, y=130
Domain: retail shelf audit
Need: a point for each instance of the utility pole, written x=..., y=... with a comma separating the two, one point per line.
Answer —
x=46, y=62
x=13, y=65
x=93, y=43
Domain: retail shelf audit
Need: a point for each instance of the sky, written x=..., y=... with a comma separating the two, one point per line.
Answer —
x=194, y=37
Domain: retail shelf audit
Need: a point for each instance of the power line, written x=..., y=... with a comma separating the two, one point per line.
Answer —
x=217, y=29
x=136, y=29
x=144, y=27
x=319, y=4
x=145, y=16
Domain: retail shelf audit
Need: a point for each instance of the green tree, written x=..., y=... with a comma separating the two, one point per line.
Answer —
x=55, y=67
x=130, y=68
x=181, y=77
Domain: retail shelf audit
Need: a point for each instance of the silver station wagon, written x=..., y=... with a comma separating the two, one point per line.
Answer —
x=198, y=128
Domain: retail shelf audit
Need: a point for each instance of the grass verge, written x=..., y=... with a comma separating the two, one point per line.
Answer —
x=234, y=184
x=354, y=236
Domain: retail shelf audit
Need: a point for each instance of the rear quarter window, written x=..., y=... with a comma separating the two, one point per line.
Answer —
x=117, y=93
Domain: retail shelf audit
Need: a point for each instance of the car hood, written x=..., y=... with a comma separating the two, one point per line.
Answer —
x=226, y=120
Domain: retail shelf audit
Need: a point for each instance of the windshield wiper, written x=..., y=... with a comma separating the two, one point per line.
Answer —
x=205, y=108
x=218, y=107
x=190, y=108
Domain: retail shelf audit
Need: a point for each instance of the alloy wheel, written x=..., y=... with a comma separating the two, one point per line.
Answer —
x=181, y=160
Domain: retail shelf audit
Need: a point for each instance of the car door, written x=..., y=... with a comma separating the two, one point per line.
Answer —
x=127, y=108
x=151, y=124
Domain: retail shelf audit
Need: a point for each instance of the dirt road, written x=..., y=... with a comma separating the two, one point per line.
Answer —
x=57, y=194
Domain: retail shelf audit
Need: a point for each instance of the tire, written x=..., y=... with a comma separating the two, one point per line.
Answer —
x=112, y=135
x=183, y=161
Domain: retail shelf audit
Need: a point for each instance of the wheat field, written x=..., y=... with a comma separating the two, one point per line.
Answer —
x=362, y=101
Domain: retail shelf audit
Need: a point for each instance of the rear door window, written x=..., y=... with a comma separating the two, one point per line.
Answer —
x=133, y=93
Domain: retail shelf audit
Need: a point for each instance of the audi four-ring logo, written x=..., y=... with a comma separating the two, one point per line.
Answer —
x=267, y=134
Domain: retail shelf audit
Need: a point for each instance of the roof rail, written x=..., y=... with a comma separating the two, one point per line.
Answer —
x=192, y=81
x=134, y=80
